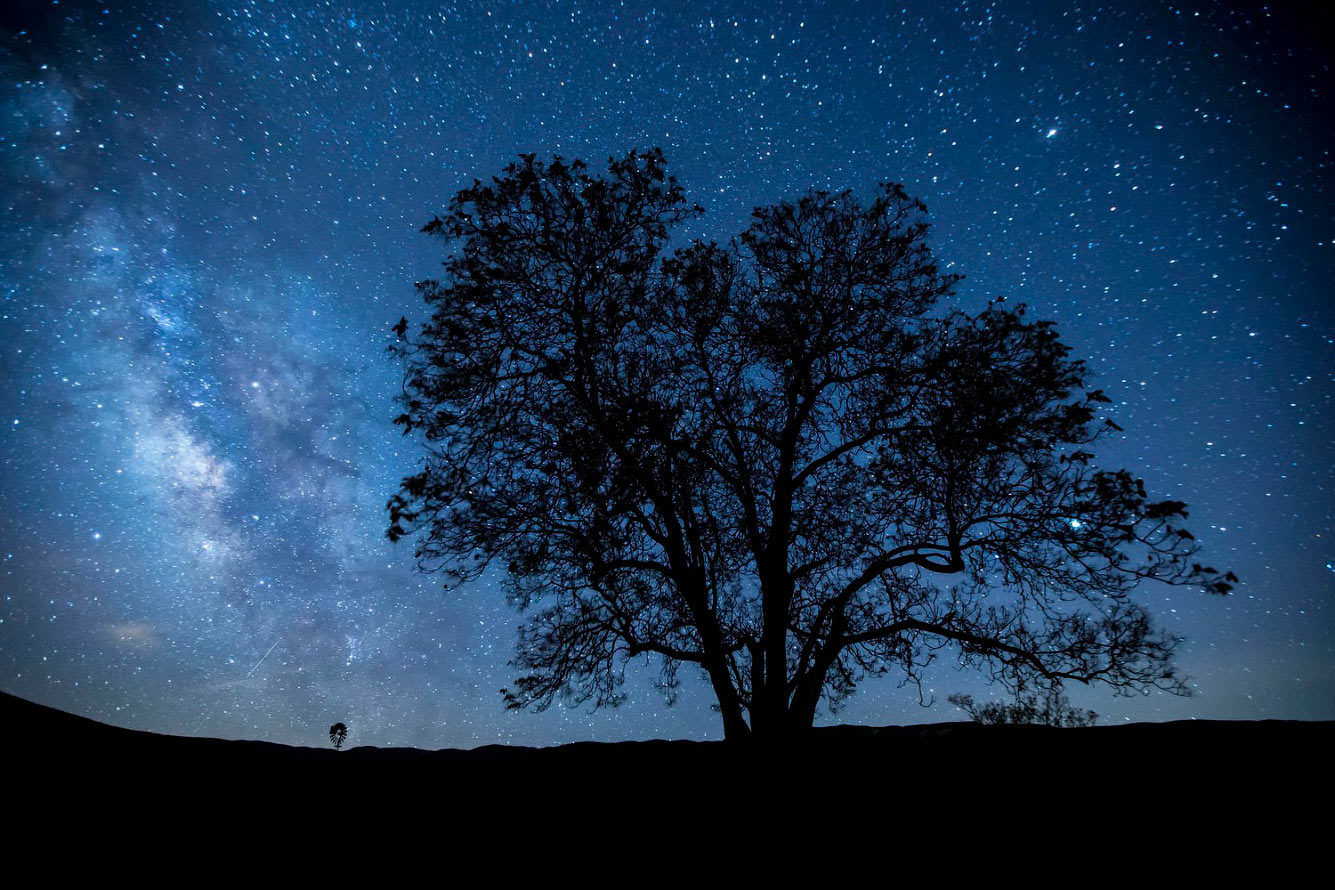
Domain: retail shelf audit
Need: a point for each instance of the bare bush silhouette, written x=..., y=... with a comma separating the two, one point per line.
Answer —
x=1047, y=707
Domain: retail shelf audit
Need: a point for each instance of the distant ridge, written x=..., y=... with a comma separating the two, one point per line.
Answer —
x=38, y=729
x=1203, y=765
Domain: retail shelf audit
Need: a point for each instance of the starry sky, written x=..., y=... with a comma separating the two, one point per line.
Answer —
x=211, y=215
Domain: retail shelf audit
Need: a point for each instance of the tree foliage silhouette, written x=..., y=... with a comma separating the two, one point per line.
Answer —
x=338, y=734
x=776, y=459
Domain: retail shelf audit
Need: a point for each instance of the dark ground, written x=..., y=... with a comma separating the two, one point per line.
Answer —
x=1141, y=783
x=1245, y=755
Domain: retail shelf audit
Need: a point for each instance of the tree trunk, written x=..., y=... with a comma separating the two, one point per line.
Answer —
x=735, y=730
x=734, y=724
x=807, y=695
x=802, y=714
x=769, y=704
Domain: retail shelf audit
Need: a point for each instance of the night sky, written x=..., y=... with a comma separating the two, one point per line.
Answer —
x=211, y=215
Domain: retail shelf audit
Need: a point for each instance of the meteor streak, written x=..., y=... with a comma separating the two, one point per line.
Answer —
x=262, y=657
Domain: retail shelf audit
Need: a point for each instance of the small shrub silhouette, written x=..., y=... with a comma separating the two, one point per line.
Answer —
x=338, y=733
x=1047, y=708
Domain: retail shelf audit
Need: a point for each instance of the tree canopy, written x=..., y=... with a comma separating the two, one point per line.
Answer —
x=781, y=460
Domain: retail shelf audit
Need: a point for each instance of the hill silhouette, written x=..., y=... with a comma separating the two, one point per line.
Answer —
x=1196, y=762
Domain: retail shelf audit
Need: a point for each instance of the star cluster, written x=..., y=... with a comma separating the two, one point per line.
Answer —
x=211, y=220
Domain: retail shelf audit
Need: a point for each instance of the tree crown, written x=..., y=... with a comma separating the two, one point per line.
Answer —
x=778, y=459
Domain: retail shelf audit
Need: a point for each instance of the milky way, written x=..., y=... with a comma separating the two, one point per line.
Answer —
x=211, y=221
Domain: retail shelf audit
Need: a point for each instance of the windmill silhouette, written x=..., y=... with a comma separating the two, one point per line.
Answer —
x=338, y=733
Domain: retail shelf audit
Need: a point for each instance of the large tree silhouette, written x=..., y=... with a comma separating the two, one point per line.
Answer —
x=776, y=460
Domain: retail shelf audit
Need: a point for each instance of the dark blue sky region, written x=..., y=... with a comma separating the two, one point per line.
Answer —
x=211, y=215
